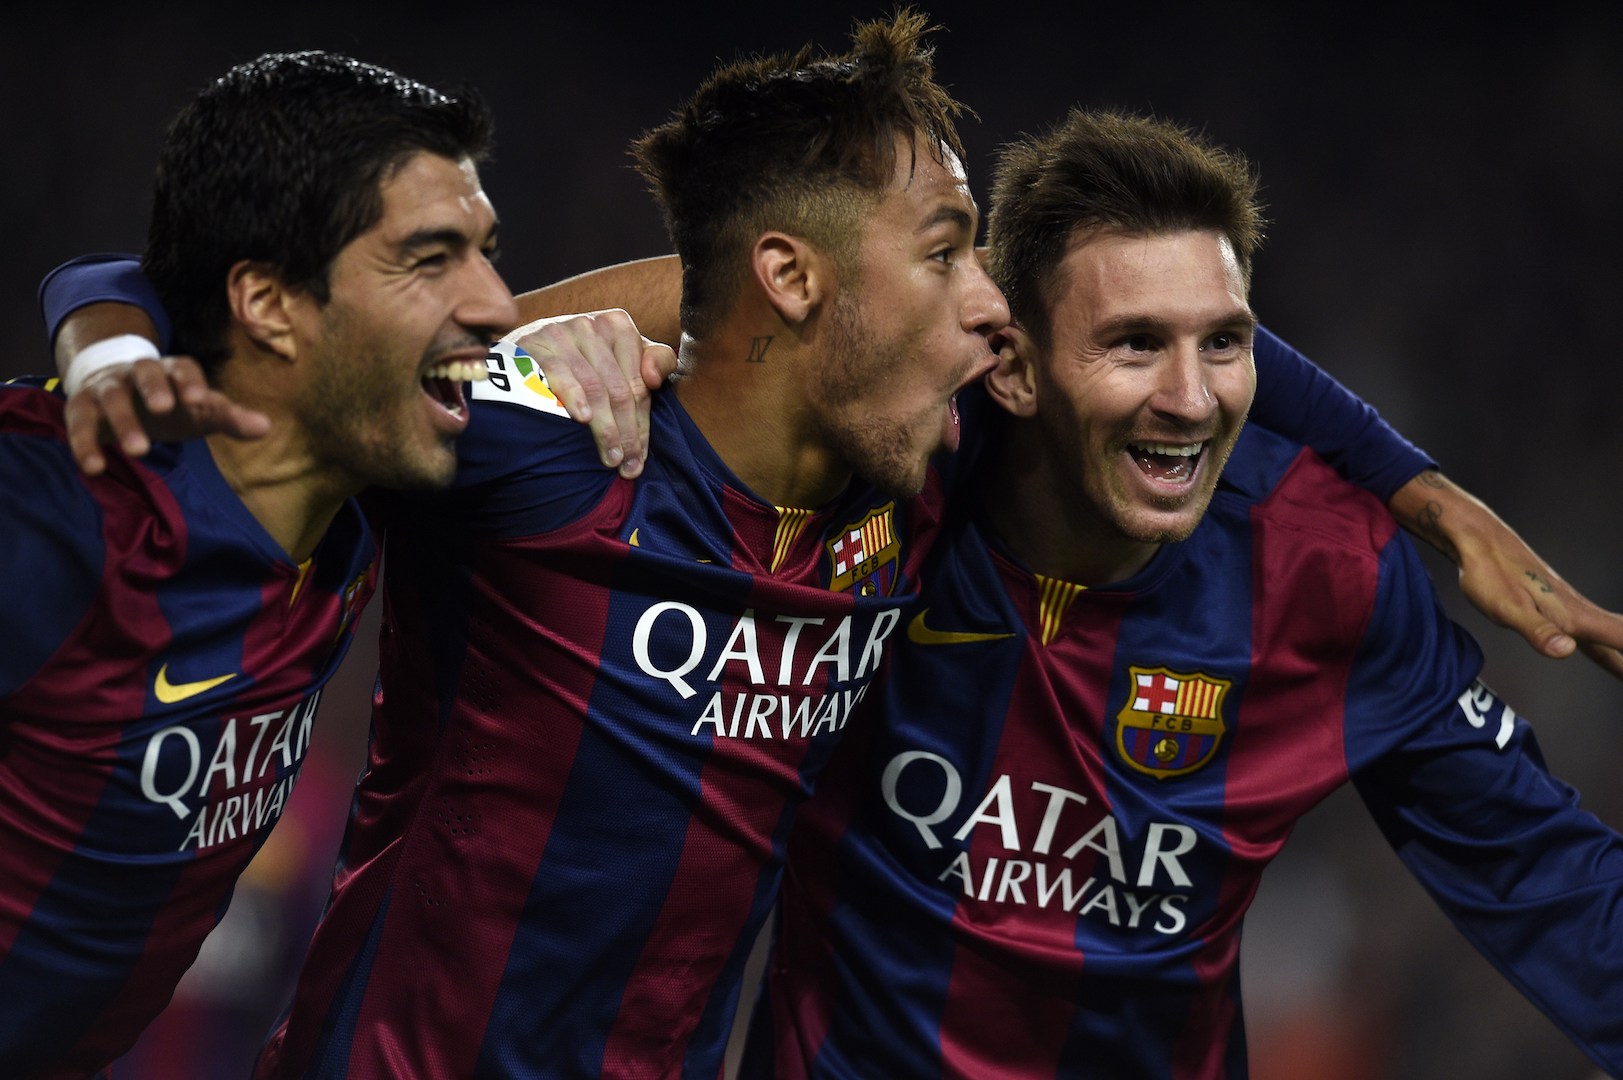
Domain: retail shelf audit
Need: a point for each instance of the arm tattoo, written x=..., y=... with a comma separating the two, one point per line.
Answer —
x=1538, y=581
x=758, y=347
x=1427, y=522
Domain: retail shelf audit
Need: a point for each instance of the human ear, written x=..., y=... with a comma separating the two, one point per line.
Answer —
x=792, y=275
x=261, y=304
x=1013, y=383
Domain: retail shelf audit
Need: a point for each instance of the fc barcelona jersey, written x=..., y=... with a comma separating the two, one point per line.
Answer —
x=600, y=703
x=161, y=659
x=1033, y=858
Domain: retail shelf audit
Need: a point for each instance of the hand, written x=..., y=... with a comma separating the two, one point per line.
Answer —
x=151, y=400
x=602, y=370
x=1506, y=579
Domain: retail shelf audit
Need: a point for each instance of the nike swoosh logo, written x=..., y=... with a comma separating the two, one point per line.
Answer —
x=169, y=693
x=919, y=634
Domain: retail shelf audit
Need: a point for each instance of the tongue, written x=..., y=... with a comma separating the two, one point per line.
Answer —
x=1164, y=466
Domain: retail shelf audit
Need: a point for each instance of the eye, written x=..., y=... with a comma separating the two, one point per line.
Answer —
x=493, y=254
x=431, y=262
x=1225, y=341
x=1138, y=343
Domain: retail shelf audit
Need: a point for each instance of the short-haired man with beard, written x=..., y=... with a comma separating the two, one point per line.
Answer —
x=169, y=624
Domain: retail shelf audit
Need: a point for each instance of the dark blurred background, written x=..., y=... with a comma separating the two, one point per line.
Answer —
x=1447, y=240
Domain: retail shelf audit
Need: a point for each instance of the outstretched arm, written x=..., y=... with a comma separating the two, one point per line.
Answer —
x=1503, y=577
x=650, y=290
x=134, y=401
x=599, y=367
x=1499, y=573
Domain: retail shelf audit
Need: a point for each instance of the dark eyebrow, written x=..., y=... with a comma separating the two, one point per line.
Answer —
x=455, y=239
x=422, y=238
x=953, y=215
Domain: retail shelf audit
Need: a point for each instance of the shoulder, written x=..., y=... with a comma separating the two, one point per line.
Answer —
x=1281, y=484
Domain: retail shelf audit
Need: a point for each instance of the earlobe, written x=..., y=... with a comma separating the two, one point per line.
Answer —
x=1013, y=383
x=790, y=273
x=261, y=304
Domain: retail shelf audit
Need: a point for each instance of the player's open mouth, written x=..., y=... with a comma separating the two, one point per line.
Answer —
x=443, y=382
x=1167, y=463
x=950, y=435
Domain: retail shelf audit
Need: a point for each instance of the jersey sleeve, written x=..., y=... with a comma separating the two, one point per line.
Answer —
x=1297, y=399
x=90, y=279
x=524, y=466
x=51, y=546
x=1463, y=796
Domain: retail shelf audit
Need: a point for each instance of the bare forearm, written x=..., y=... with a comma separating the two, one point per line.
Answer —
x=650, y=290
x=1503, y=577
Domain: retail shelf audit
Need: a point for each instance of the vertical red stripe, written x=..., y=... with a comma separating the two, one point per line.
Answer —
x=489, y=822
x=1012, y=1018
x=1292, y=752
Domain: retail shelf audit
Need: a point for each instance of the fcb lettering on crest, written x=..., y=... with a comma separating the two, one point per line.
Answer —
x=863, y=555
x=1172, y=721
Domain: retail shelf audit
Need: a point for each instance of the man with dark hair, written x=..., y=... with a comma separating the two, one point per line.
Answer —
x=1150, y=641
x=320, y=234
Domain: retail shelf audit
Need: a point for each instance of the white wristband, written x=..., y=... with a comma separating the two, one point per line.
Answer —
x=122, y=349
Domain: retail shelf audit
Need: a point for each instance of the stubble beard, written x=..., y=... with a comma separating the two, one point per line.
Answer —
x=858, y=367
x=356, y=421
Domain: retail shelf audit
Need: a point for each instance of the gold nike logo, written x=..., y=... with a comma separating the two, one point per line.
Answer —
x=919, y=634
x=169, y=693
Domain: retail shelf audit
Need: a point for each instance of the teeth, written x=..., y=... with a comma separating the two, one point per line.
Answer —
x=460, y=371
x=1169, y=449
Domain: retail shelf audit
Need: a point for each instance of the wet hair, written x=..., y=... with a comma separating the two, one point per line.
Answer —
x=800, y=142
x=1115, y=172
x=282, y=161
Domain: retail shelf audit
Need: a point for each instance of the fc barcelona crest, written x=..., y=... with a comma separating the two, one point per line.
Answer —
x=864, y=554
x=1172, y=722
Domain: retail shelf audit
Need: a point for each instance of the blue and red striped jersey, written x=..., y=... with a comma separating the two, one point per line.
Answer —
x=1033, y=856
x=600, y=703
x=161, y=663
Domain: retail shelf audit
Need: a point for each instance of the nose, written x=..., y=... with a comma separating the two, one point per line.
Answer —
x=985, y=310
x=487, y=308
x=1182, y=390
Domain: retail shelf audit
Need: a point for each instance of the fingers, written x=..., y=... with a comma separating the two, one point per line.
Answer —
x=658, y=363
x=628, y=394
x=597, y=366
x=83, y=419
x=1591, y=623
x=1549, y=639
x=163, y=400
x=1610, y=660
x=1559, y=621
x=111, y=395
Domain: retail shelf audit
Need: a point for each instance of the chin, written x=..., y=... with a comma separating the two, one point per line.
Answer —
x=1162, y=527
x=418, y=472
x=900, y=482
